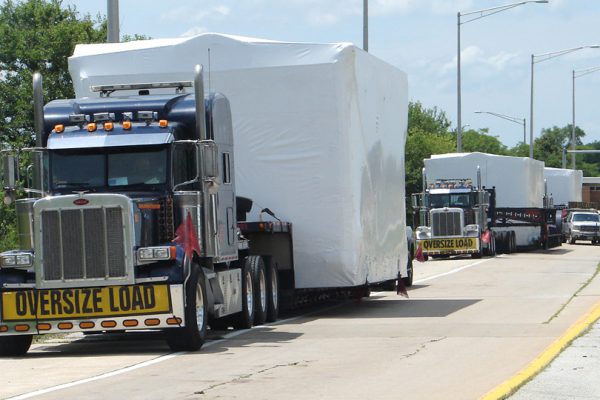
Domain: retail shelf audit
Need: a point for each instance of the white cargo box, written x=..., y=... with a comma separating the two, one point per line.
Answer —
x=519, y=181
x=319, y=134
x=564, y=185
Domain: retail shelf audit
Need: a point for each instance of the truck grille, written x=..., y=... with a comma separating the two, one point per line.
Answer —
x=445, y=223
x=83, y=243
x=586, y=228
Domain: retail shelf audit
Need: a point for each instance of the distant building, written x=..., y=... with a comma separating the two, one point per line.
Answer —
x=590, y=191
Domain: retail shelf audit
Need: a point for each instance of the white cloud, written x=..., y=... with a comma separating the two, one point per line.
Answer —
x=184, y=13
x=474, y=56
x=322, y=19
x=451, y=7
x=196, y=30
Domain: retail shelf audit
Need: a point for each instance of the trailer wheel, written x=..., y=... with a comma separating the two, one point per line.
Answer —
x=14, y=346
x=191, y=337
x=513, y=242
x=245, y=318
x=272, y=293
x=259, y=280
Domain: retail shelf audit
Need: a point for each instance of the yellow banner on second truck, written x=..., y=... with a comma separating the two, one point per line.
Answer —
x=113, y=301
x=449, y=244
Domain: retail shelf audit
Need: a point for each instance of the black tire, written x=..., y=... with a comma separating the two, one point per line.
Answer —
x=572, y=240
x=272, y=293
x=259, y=281
x=509, y=242
x=408, y=279
x=15, y=346
x=492, y=245
x=513, y=242
x=191, y=337
x=245, y=318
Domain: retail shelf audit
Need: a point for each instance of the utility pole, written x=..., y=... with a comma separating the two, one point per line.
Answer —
x=112, y=14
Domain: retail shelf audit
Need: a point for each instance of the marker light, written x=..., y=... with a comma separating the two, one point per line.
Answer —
x=127, y=125
x=91, y=127
x=163, y=123
x=108, y=126
x=60, y=128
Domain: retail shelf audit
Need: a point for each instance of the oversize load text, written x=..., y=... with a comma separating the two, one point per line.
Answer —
x=84, y=302
x=450, y=244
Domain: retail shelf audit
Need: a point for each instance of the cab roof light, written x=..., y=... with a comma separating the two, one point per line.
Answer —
x=77, y=119
x=127, y=125
x=104, y=116
x=59, y=128
x=91, y=127
x=163, y=123
x=147, y=116
x=108, y=126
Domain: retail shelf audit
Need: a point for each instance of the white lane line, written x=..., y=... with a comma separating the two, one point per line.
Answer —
x=454, y=271
x=157, y=360
x=209, y=344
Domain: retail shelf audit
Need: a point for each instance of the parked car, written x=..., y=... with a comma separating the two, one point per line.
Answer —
x=582, y=225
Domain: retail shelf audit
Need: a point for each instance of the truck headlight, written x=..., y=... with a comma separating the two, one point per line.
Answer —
x=16, y=260
x=156, y=253
x=423, y=232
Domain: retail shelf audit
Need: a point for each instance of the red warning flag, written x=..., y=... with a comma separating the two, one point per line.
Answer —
x=185, y=235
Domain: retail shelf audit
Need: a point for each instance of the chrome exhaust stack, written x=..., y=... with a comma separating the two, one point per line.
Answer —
x=199, y=94
x=38, y=109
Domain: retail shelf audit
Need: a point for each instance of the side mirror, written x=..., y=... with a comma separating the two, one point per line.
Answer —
x=415, y=200
x=9, y=171
x=10, y=175
x=209, y=155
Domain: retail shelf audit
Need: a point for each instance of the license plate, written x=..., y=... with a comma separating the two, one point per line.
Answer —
x=108, y=301
x=450, y=244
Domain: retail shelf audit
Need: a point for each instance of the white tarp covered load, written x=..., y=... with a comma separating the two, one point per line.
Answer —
x=319, y=133
x=564, y=185
x=519, y=181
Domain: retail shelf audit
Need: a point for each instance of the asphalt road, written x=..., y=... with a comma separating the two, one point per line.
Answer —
x=468, y=326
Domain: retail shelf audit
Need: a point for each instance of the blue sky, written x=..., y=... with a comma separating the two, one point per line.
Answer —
x=419, y=37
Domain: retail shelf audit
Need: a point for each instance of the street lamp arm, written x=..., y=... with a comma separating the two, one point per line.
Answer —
x=516, y=120
x=486, y=12
x=583, y=72
x=551, y=55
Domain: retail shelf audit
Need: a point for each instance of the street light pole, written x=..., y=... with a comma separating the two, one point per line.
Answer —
x=546, y=57
x=366, y=25
x=577, y=74
x=520, y=121
x=478, y=14
x=458, y=94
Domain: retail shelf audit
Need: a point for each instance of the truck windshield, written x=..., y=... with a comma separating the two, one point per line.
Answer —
x=449, y=200
x=586, y=217
x=109, y=168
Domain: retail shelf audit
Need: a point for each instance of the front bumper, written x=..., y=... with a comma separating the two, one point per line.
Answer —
x=112, y=321
x=582, y=235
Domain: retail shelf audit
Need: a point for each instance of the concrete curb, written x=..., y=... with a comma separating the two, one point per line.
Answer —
x=507, y=387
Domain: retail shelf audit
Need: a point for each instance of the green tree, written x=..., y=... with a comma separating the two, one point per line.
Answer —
x=549, y=146
x=37, y=36
x=427, y=134
x=480, y=141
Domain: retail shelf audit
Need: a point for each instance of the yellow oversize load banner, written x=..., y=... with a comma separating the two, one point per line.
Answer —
x=465, y=243
x=108, y=301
